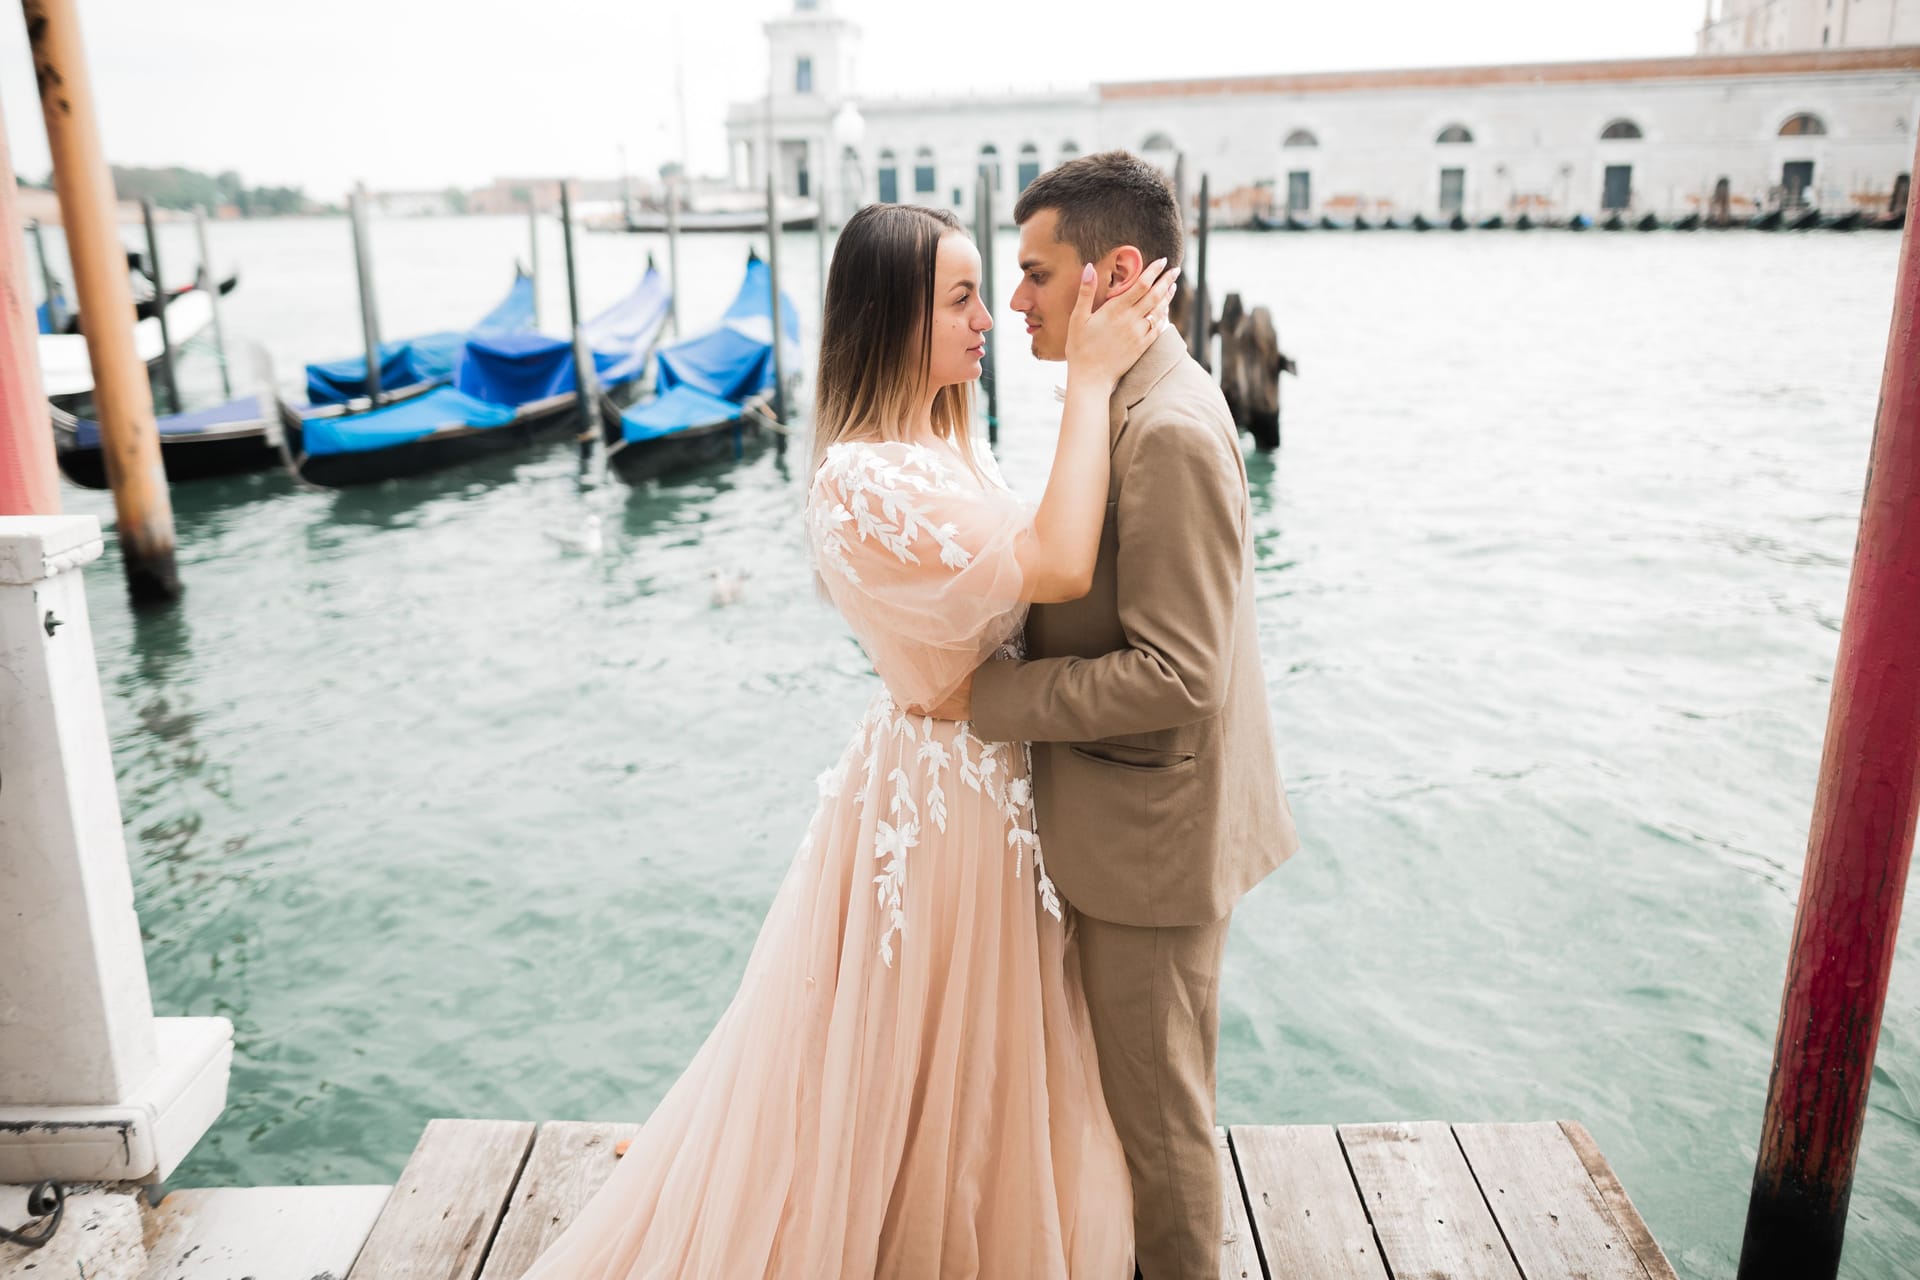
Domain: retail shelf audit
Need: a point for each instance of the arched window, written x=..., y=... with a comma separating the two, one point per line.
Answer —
x=1301, y=138
x=1069, y=151
x=1454, y=133
x=1806, y=124
x=990, y=164
x=1622, y=129
x=923, y=172
x=889, y=177
x=1029, y=164
x=1157, y=142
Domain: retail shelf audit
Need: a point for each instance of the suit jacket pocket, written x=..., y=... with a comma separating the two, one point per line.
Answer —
x=1121, y=756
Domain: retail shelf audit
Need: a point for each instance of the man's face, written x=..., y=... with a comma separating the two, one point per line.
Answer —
x=1049, y=284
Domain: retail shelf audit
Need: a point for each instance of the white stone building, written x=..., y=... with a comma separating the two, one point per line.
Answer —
x=1831, y=128
x=1754, y=26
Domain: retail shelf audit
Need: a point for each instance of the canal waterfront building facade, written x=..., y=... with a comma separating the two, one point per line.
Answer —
x=1828, y=128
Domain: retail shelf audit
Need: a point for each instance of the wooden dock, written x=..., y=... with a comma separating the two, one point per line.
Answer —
x=479, y=1200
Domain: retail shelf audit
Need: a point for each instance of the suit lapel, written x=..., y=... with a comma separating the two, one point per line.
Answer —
x=1166, y=353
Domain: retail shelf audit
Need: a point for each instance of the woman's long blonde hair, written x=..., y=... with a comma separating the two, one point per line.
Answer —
x=876, y=333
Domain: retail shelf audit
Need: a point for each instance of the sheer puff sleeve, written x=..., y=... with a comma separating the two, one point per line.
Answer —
x=921, y=559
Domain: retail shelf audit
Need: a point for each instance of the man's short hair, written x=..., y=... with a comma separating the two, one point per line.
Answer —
x=1106, y=200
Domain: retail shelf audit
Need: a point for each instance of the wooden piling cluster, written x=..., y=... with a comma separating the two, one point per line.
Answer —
x=1251, y=361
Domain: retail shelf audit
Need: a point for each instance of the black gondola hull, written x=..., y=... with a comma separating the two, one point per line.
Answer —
x=235, y=450
x=694, y=447
x=447, y=447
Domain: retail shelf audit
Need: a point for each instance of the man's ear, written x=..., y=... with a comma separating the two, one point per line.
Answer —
x=1126, y=266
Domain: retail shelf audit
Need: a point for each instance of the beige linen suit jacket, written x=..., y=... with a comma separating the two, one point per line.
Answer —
x=1156, y=790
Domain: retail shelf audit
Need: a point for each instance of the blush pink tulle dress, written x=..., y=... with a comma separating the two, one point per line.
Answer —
x=904, y=1085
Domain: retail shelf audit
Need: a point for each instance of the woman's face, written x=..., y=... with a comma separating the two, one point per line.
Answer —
x=960, y=319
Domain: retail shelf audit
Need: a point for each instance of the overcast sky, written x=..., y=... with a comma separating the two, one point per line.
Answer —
x=432, y=93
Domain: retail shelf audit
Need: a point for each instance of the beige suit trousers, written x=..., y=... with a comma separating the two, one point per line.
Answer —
x=1154, y=997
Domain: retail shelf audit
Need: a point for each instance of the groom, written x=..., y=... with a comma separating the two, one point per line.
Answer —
x=1157, y=795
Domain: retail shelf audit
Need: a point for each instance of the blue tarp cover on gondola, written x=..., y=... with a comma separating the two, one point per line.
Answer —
x=680, y=409
x=401, y=423
x=520, y=368
x=433, y=357
x=500, y=372
x=86, y=434
x=734, y=361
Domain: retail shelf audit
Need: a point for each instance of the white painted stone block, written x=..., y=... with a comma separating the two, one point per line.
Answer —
x=92, y=1086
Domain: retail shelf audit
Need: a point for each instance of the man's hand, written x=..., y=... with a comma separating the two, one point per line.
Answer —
x=958, y=706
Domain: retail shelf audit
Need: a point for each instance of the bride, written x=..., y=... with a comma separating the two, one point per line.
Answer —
x=904, y=1084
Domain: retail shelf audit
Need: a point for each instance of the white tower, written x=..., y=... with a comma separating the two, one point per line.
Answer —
x=811, y=74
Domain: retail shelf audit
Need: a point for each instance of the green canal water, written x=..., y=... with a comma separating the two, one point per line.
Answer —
x=449, y=821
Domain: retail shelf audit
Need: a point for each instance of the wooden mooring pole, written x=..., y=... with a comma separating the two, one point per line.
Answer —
x=983, y=235
x=167, y=374
x=673, y=253
x=586, y=386
x=29, y=478
x=773, y=285
x=1202, y=330
x=123, y=402
x=1858, y=852
x=210, y=281
x=533, y=254
x=49, y=283
x=363, y=272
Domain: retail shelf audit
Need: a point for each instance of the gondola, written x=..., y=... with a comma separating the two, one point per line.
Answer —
x=712, y=389
x=66, y=370
x=411, y=366
x=143, y=308
x=1768, y=221
x=1267, y=222
x=508, y=388
x=1616, y=221
x=1808, y=221
x=1420, y=223
x=1523, y=223
x=1649, y=223
x=1848, y=221
x=1689, y=223
x=226, y=439
x=1579, y=222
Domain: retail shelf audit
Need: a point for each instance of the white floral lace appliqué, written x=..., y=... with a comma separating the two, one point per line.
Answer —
x=876, y=501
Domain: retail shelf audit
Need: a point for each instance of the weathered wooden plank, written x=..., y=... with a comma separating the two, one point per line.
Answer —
x=570, y=1161
x=1426, y=1209
x=1553, y=1217
x=1239, y=1257
x=219, y=1233
x=1624, y=1214
x=1305, y=1207
x=444, y=1210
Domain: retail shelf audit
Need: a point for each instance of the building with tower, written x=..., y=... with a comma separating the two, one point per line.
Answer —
x=1771, y=123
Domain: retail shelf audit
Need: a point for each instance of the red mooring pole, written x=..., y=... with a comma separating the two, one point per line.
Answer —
x=29, y=483
x=1857, y=852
